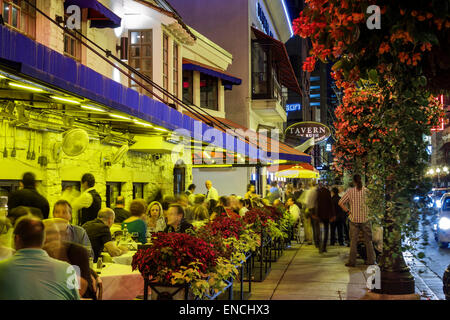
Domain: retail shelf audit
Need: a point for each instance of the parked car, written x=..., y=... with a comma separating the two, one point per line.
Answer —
x=442, y=226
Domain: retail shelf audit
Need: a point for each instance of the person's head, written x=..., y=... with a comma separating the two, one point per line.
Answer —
x=29, y=180
x=251, y=188
x=87, y=181
x=17, y=212
x=200, y=213
x=55, y=230
x=29, y=232
x=335, y=191
x=273, y=184
x=155, y=210
x=107, y=215
x=208, y=184
x=120, y=202
x=290, y=202
x=192, y=187
x=234, y=202
x=224, y=201
x=138, y=207
x=182, y=200
x=199, y=199
x=174, y=215
x=357, y=181
x=166, y=202
x=211, y=205
x=62, y=209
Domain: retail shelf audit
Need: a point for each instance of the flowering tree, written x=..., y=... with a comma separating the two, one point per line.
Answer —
x=387, y=76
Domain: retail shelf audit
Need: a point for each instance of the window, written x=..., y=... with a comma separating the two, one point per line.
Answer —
x=140, y=56
x=72, y=46
x=260, y=72
x=166, y=65
x=179, y=176
x=175, y=69
x=208, y=92
x=188, y=83
x=19, y=15
x=138, y=190
x=113, y=189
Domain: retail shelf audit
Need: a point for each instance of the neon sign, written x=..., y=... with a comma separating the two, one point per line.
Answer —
x=293, y=107
x=262, y=18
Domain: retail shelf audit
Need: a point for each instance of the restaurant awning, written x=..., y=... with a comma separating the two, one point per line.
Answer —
x=299, y=171
x=267, y=145
x=227, y=80
x=99, y=15
x=287, y=74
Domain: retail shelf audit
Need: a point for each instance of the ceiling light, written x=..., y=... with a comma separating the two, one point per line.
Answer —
x=65, y=100
x=143, y=123
x=2, y=77
x=16, y=85
x=92, y=108
x=161, y=129
x=119, y=116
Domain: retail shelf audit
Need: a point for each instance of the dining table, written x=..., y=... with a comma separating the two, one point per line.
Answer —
x=120, y=282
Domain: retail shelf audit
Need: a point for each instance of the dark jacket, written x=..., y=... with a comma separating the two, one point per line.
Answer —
x=184, y=225
x=340, y=214
x=325, y=208
x=121, y=215
x=29, y=197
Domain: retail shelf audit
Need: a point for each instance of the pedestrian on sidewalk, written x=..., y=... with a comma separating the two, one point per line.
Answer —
x=325, y=215
x=339, y=223
x=358, y=216
x=308, y=199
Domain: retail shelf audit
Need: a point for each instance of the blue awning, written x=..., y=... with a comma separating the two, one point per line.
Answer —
x=227, y=80
x=100, y=16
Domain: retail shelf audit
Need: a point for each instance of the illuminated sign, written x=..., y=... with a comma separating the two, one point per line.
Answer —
x=328, y=148
x=308, y=130
x=293, y=107
x=262, y=18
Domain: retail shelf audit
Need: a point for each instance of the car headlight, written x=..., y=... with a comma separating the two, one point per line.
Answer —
x=438, y=204
x=444, y=223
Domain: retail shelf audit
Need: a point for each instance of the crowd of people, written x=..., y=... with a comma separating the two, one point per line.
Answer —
x=43, y=245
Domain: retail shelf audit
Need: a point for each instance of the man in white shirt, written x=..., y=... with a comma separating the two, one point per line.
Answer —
x=294, y=210
x=212, y=192
x=88, y=204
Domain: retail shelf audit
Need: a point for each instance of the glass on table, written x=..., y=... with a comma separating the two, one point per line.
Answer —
x=135, y=236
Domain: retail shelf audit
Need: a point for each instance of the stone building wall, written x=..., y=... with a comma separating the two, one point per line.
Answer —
x=135, y=167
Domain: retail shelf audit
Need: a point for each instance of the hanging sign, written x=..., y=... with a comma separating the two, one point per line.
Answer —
x=308, y=130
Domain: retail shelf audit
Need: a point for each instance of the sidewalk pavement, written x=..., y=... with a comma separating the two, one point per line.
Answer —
x=301, y=273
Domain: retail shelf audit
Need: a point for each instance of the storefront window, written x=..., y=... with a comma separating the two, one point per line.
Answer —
x=208, y=92
x=188, y=83
x=20, y=15
x=113, y=189
x=138, y=190
x=140, y=56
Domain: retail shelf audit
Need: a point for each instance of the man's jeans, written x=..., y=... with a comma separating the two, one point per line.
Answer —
x=354, y=237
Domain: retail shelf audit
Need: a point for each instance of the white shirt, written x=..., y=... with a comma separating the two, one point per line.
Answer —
x=243, y=211
x=294, y=210
x=212, y=194
x=83, y=201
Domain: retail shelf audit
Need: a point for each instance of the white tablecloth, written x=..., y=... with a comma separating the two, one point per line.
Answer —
x=120, y=283
x=125, y=258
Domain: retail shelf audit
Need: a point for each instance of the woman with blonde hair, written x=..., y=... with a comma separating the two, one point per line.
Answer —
x=155, y=218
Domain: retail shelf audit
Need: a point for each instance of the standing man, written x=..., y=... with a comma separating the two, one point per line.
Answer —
x=191, y=194
x=274, y=192
x=30, y=274
x=89, y=202
x=358, y=216
x=339, y=223
x=212, y=193
x=325, y=214
x=28, y=196
x=119, y=210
